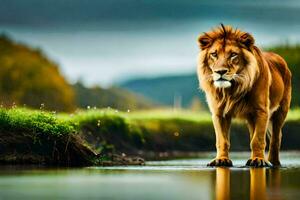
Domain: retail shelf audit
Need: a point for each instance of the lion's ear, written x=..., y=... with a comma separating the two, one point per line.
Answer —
x=204, y=41
x=247, y=40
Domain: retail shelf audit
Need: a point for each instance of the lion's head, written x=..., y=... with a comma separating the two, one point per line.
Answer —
x=228, y=60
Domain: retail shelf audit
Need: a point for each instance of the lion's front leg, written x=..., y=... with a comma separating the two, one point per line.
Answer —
x=258, y=141
x=221, y=126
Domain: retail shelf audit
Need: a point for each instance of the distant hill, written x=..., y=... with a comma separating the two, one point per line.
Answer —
x=167, y=89
x=28, y=77
x=113, y=97
x=164, y=89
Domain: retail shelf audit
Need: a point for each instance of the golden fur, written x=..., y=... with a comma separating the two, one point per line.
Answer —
x=242, y=81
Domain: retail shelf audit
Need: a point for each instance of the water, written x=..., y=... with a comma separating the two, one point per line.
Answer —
x=174, y=179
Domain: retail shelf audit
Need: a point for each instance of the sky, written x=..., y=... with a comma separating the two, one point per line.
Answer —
x=105, y=42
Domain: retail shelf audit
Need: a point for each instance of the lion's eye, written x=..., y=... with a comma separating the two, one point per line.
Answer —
x=214, y=54
x=233, y=55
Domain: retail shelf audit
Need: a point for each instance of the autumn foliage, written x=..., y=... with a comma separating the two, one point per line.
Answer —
x=28, y=78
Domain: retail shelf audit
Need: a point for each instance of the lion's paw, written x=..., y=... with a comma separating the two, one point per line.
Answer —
x=258, y=162
x=218, y=162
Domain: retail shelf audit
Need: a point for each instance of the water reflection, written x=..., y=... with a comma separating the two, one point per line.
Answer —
x=262, y=184
x=258, y=184
x=222, y=184
x=274, y=181
x=174, y=180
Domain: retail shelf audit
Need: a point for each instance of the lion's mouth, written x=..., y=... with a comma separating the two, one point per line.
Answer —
x=222, y=83
x=222, y=79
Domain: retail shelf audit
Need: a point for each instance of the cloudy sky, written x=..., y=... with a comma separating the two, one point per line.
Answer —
x=103, y=42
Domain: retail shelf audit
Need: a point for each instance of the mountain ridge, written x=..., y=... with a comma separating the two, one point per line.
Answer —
x=167, y=89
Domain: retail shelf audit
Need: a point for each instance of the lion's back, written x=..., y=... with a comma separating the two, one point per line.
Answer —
x=281, y=77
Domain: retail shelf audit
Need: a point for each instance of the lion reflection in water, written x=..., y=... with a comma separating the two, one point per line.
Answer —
x=257, y=186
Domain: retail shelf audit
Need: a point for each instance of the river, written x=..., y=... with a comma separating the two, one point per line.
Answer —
x=169, y=179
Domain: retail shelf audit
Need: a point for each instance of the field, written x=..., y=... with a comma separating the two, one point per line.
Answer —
x=87, y=137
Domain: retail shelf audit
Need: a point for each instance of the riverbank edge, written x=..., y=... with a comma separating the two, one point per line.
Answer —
x=106, y=138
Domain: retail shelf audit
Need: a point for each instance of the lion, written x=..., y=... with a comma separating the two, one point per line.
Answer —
x=241, y=81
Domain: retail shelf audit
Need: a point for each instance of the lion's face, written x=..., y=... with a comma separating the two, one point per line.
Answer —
x=227, y=59
x=225, y=62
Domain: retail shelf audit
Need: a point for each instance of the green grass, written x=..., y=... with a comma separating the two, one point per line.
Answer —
x=185, y=115
x=294, y=115
x=61, y=124
x=34, y=121
x=39, y=121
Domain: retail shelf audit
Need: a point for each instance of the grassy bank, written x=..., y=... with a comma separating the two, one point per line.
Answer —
x=87, y=137
x=39, y=137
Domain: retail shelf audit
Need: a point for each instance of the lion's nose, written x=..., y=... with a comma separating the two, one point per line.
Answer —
x=222, y=71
